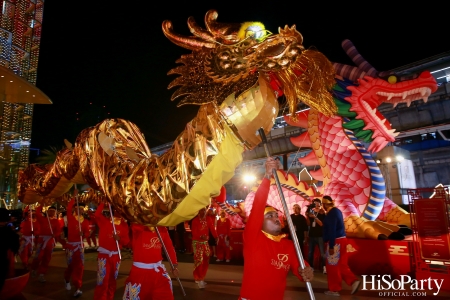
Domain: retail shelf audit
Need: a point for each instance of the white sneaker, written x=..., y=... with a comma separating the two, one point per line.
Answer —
x=330, y=293
x=218, y=260
x=68, y=286
x=201, y=284
x=324, y=270
x=78, y=293
x=227, y=260
x=41, y=278
x=355, y=286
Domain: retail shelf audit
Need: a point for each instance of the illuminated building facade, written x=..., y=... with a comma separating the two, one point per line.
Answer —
x=20, y=36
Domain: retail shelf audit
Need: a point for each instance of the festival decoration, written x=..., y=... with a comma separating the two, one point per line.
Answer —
x=349, y=174
x=235, y=73
x=229, y=74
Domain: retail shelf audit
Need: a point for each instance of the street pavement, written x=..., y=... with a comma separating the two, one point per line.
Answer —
x=223, y=282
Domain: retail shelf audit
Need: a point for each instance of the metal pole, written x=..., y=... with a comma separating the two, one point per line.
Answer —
x=79, y=222
x=170, y=261
x=114, y=228
x=32, y=228
x=51, y=229
x=286, y=213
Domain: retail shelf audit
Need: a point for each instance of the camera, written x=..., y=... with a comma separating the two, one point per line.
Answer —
x=310, y=207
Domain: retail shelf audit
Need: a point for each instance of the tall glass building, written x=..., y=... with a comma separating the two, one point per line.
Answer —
x=20, y=36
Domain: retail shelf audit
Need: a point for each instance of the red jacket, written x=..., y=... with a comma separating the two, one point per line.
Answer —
x=25, y=226
x=147, y=246
x=44, y=225
x=73, y=226
x=266, y=262
x=106, y=231
x=223, y=227
x=200, y=228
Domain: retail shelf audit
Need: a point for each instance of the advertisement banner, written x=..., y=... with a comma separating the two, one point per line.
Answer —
x=432, y=229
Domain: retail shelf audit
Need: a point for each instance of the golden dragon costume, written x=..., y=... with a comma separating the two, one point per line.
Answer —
x=235, y=73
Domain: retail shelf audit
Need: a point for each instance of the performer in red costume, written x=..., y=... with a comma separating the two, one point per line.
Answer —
x=46, y=241
x=92, y=238
x=268, y=255
x=108, y=260
x=148, y=278
x=29, y=234
x=200, y=227
x=74, y=248
x=223, y=228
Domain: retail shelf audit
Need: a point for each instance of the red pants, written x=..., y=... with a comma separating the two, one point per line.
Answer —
x=222, y=250
x=75, y=264
x=93, y=238
x=202, y=252
x=43, y=255
x=337, y=266
x=107, y=272
x=148, y=284
x=25, y=250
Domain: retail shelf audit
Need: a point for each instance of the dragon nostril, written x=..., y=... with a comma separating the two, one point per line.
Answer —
x=425, y=74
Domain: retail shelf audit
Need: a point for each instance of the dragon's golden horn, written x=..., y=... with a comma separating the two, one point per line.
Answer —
x=291, y=31
x=198, y=31
x=191, y=43
x=227, y=31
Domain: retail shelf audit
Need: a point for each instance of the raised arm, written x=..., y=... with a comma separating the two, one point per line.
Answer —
x=212, y=228
x=255, y=220
x=124, y=233
x=38, y=213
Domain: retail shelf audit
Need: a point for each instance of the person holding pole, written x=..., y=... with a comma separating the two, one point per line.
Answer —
x=268, y=254
x=92, y=239
x=148, y=277
x=50, y=233
x=29, y=230
x=78, y=228
x=113, y=234
x=201, y=226
x=223, y=228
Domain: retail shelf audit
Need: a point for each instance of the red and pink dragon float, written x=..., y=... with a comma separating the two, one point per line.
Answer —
x=349, y=173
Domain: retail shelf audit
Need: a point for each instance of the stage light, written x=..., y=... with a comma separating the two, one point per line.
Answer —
x=399, y=158
x=388, y=159
x=248, y=178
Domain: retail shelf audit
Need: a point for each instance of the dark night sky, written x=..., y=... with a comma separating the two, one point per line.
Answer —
x=115, y=55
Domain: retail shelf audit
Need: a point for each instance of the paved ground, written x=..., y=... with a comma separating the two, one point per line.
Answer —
x=223, y=280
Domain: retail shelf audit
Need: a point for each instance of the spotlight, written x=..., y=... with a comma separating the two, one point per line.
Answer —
x=249, y=178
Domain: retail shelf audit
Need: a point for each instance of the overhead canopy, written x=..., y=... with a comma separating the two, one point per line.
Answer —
x=15, y=89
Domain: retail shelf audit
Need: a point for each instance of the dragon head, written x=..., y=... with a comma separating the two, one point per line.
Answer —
x=233, y=64
x=360, y=105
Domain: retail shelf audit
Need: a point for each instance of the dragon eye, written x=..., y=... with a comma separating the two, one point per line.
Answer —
x=392, y=79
